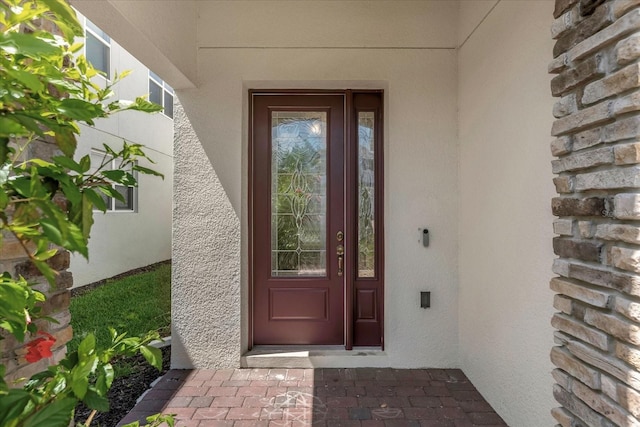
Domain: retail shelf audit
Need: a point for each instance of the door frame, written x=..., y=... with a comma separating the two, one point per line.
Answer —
x=351, y=203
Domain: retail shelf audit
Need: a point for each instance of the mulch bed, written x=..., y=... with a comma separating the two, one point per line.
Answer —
x=125, y=391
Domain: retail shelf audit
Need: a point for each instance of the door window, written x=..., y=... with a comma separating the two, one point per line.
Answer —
x=298, y=193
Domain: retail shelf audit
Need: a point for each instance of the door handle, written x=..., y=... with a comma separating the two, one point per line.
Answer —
x=340, y=252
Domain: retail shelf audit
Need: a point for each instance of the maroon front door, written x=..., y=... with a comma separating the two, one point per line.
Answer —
x=316, y=246
x=298, y=220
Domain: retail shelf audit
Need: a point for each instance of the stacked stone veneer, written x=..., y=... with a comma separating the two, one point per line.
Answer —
x=56, y=307
x=13, y=259
x=597, y=145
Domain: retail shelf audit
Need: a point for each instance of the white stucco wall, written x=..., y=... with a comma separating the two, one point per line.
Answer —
x=505, y=216
x=421, y=157
x=121, y=241
x=205, y=315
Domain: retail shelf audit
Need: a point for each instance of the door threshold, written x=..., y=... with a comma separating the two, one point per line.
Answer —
x=269, y=356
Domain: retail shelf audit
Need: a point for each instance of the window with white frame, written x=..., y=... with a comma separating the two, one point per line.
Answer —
x=161, y=93
x=98, y=48
x=130, y=194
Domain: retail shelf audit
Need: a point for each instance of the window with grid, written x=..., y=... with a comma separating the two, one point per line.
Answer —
x=98, y=48
x=161, y=93
x=129, y=193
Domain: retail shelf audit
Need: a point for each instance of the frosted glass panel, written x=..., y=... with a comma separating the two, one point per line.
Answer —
x=366, y=194
x=298, y=193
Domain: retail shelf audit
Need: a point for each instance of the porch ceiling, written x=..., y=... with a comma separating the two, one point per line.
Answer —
x=167, y=36
x=162, y=35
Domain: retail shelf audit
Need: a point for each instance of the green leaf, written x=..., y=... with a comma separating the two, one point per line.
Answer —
x=29, y=80
x=64, y=86
x=94, y=401
x=57, y=414
x=68, y=163
x=4, y=388
x=13, y=404
x=152, y=355
x=70, y=360
x=141, y=104
x=111, y=192
x=159, y=419
x=87, y=215
x=110, y=151
x=58, y=384
x=78, y=109
x=66, y=15
x=46, y=270
x=9, y=127
x=147, y=171
x=40, y=162
x=80, y=375
x=95, y=199
x=73, y=238
x=52, y=231
x=28, y=45
x=71, y=191
x=41, y=375
x=87, y=347
x=4, y=199
x=31, y=124
x=85, y=164
x=120, y=177
x=4, y=147
x=21, y=185
x=15, y=297
x=21, y=15
x=36, y=187
x=105, y=378
x=66, y=141
x=45, y=255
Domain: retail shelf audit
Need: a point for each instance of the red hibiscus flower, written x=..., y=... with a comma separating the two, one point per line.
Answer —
x=40, y=347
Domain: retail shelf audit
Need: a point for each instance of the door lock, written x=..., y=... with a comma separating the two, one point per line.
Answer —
x=340, y=252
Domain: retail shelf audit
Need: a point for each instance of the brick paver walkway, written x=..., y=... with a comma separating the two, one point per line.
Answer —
x=364, y=397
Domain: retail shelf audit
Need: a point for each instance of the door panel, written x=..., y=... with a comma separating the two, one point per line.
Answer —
x=365, y=209
x=298, y=209
x=299, y=304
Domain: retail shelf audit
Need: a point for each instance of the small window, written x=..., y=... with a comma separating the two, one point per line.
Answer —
x=161, y=93
x=130, y=194
x=98, y=48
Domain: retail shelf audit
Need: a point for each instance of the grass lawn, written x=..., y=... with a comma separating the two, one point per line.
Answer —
x=135, y=304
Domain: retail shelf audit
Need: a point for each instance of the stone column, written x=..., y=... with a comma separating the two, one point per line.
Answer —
x=597, y=134
x=14, y=260
x=56, y=306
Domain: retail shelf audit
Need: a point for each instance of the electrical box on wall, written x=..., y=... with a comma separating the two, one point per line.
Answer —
x=424, y=237
x=425, y=299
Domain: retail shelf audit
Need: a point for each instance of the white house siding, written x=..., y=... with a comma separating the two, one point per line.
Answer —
x=505, y=217
x=121, y=241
